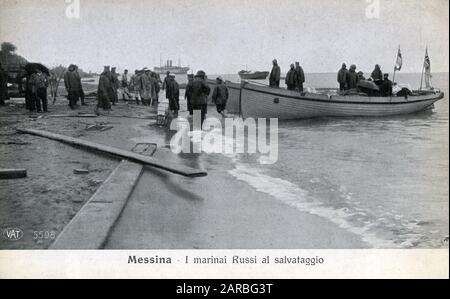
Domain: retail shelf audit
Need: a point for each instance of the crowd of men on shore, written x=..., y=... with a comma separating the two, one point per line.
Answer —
x=144, y=87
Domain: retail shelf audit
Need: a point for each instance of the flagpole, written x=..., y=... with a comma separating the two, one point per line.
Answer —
x=395, y=66
x=421, y=77
x=423, y=68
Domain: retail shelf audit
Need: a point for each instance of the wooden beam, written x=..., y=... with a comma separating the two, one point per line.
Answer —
x=123, y=154
x=91, y=226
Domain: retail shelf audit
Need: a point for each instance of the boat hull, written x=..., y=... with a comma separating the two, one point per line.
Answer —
x=265, y=102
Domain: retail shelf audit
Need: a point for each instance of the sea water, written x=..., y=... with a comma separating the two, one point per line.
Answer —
x=384, y=179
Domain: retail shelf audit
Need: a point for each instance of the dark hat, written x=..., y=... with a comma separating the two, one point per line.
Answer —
x=201, y=74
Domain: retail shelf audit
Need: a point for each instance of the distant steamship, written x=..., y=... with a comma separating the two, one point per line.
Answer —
x=180, y=70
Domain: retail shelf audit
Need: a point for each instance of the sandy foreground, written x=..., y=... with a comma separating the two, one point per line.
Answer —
x=165, y=211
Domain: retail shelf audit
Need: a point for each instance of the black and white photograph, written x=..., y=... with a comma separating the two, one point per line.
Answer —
x=146, y=128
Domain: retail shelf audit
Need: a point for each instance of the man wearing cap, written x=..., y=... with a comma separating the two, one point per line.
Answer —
x=135, y=85
x=386, y=86
x=274, y=79
x=200, y=93
x=173, y=94
x=220, y=95
x=72, y=84
x=41, y=84
x=124, y=85
x=147, y=87
x=104, y=91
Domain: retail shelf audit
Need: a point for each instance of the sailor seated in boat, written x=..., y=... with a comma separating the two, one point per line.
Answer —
x=386, y=86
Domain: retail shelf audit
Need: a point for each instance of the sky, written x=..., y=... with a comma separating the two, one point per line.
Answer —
x=229, y=35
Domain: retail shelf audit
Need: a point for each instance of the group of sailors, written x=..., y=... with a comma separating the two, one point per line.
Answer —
x=198, y=91
x=295, y=77
x=378, y=84
x=349, y=80
x=144, y=87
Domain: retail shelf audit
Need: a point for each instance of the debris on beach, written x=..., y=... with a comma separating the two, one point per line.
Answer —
x=12, y=173
x=146, y=149
x=98, y=127
x=15, y=141
x=80, y=171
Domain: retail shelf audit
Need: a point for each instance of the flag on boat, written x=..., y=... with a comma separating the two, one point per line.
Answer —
x=399, y=61
x=427, y=69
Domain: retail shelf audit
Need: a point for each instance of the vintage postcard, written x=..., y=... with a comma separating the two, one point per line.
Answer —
x=224, y=139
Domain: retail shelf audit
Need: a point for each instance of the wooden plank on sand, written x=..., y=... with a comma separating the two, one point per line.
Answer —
x=92, y=224
x=124, y=154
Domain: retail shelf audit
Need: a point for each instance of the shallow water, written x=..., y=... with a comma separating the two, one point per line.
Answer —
x=385, y=179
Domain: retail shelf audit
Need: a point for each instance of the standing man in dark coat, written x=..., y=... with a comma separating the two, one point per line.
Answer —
x=377, y=75
x=3, y=85
x=299, y=77
x=274, y=79
x=173, y=94
x=291, y=78
x=342, y=78
x=80, y=91
x=104, y=91
x=352, y=77
x=220, y=96
x=200, y=93
x=41, y=83
x=157, y=86
x=72, y=83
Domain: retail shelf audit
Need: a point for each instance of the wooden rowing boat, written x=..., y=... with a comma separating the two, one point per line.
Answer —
x=262, y=101
x=257, y=100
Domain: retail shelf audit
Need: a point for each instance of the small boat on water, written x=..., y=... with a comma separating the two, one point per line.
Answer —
x=256, y=100
x=263, y=101
x=248, y=75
